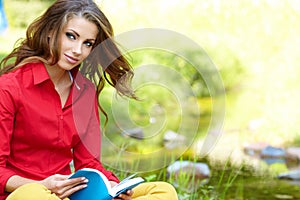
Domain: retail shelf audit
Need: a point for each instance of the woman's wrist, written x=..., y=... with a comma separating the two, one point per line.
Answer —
x=16, y=181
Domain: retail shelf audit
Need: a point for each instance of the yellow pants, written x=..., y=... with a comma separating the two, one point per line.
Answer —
x=144, y=191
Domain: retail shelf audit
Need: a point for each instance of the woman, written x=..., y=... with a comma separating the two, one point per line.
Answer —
x=47, y=114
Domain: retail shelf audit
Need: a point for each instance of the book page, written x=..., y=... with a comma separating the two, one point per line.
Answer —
x=125, y=185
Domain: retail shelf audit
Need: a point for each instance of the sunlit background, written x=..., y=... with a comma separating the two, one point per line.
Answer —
x=254, y=45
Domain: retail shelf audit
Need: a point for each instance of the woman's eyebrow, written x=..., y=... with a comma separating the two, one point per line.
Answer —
x=91, y=40
x=77, y=34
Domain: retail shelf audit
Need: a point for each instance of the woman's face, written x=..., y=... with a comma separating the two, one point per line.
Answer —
x=77, y=40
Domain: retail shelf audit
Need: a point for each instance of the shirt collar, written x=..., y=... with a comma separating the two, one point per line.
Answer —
x=40, y=73
x=77, y=78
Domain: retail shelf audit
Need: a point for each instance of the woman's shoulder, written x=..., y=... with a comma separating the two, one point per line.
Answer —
x=8, y=84
x=20, y=69
x=7, y=79
x=12, y=78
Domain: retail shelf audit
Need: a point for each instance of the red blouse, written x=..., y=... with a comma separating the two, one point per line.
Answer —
x=38, y=137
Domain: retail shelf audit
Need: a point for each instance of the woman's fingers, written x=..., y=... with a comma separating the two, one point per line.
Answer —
x=126, y=196
x=69, y=186
x=70, y=190
x=62, y=186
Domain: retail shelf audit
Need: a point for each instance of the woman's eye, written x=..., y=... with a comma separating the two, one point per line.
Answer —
x=70, y=35
x=89, y=44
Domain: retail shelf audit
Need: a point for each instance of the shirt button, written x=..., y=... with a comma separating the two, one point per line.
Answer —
x=61, y=117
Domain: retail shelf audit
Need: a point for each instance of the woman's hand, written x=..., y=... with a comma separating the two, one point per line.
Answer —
x=62, y=186
x=124, y=196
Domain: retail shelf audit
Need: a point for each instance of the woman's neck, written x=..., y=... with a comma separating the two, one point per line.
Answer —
x=58, y=76
x=61, y=80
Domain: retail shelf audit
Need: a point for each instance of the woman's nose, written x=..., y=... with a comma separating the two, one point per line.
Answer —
x=77, y=49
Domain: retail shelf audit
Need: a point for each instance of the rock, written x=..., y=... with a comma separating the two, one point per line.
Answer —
x=173, y=140
x=189, y=176
x=293, y=155
x=136, y=133
x=274, y=152
x=255, y=148
x=273, y=155
x=290, y=175
x=283, y=196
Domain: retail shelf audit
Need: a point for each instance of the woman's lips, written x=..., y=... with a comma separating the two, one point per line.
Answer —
x=71, y=59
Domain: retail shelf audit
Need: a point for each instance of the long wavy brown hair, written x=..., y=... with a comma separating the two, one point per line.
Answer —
x=105, y=63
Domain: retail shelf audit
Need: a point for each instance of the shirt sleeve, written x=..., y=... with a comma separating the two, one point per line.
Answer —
x=7, y=115
x=87, y=151
x=83, y=159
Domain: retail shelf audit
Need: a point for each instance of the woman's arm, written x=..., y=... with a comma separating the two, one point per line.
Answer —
x=8, y=107
x=16, y=181
x=58, y=184
x=86, y=152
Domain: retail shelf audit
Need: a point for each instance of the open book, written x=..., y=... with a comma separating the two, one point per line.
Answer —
x=99, y=188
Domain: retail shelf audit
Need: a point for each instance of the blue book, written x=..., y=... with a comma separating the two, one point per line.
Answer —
x=99, y=188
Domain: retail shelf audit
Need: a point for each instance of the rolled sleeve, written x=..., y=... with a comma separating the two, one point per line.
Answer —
x=5, y=174
x=83, y=159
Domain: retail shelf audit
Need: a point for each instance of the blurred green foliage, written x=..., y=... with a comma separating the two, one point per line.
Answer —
x=20, y=13
x=253, y=44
